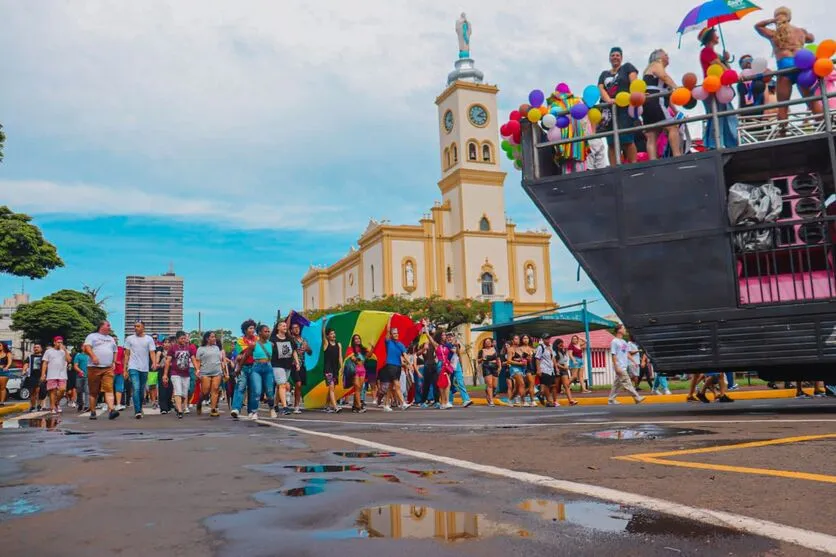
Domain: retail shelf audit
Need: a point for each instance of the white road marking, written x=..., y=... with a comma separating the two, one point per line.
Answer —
x=805, y=538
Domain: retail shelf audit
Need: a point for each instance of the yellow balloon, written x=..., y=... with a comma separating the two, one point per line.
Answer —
x=622, y=99
x=716, y=69
x=534, y=115
x=594, y=116
x=638, y=86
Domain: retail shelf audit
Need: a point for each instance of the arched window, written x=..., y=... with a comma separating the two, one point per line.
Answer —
x=487, y=284
x=472, y=154
x=455, y=151
x=312, y=303
x=449, y=274
x=484, y=224
x=372, y=273
x=486, y=152
x=447, y=158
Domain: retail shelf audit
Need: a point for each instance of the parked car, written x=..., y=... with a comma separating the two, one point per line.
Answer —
x=15, y=385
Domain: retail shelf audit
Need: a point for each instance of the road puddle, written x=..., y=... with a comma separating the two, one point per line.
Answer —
x=426, y=473
x=325, y=468
x=364, y=454
x=25, y=500
x=304, y=491
x=49, y=423
x=614, y=518
x=422, y=522
x=391, y=478
x=649, y=432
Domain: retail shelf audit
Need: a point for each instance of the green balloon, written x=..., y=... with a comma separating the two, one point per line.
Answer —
x=506, y=145
x=812, y=47
x=518, y=165
x=510, y=155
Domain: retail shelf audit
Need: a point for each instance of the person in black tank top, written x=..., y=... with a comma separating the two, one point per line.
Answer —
x=333, y=362
x=658, y=111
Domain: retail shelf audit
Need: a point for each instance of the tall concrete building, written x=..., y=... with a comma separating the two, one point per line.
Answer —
x=13, y=339
x=157, y=301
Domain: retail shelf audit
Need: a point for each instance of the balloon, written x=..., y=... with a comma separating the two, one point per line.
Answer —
x=804, y=59
x=725, y=94
x=594, y=116
x=690, y=104
x=579, y=111
x=689, y=80
x=524, y=108
x=637, y=98
x=536, y=97
x=534, y=115
x=812, y=47
x=807, y=79
x=758, y=87
x=747, y=72
x=638, y=86
x=548, y=121
x=514, y=127
x=543, y=110
x=506, y=146
x=642, y=157
x=622, y=99
x=759, y=65
x=826, y=49
x=518, y=165
x=699, y=93
x=514, y=116
x=563, y=122
x=591, y=95
x=715, y=70
x=554, y=134
x=729, y=77
x=823, y=67
x=680, y=96
x=712, y=84
x=563, y=89
x=517, y=137
x=510, y=155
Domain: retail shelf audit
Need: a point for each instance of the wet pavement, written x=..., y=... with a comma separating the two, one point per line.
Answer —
x=218, y=487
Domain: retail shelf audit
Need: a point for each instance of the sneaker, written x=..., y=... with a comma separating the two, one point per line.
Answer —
x=138, y=416
x=214, y=413
x=362, y=410
x=186, y=411
x=491, y=405
x=113, y=414
x=703, y=398
x=329, y=410
x=406, y=406
x=640, y=400
x=692, y=398
x=517, y=402
x=387, y=408
x=163, y=412
x=297, y=410
x=803, y=395
x=287, y=411
x=92, y=414
x=253, y=416
x=667, y=391
x=733, y=387
x=526, y=404
x=234, y=414
x=655, y=392
x=337, y=410
x=72, y=404
x=274, y=412
x=179, y=415
x=448, y=405
x=200, y=408
x=725, y=398
x=155, y=406
x=613, y=401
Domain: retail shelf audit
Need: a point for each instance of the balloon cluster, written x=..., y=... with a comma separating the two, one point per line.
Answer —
x=814, y=62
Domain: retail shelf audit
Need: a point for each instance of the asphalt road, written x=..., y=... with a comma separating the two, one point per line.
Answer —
x=202, y=486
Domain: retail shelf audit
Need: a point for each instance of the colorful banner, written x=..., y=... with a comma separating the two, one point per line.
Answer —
x=372, y=327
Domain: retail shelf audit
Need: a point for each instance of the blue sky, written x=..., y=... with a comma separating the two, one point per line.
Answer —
x=245, y=141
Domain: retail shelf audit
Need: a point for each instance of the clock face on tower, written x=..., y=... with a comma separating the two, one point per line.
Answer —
x=478, y=116
x=448, y=121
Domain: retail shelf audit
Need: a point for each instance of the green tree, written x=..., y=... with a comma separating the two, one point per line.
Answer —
x=83, y=302
x=23, y=250
x=444, y=313
x=41, y=321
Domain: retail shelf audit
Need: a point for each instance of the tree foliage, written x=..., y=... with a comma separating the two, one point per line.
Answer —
x=69, y=313
x=224, y=336
x=23, y=250
x=444, y=313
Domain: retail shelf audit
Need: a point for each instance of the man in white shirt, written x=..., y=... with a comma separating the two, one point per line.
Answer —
x=620, y=354
x=140, y=356
x=101, y=348
x=55, y=362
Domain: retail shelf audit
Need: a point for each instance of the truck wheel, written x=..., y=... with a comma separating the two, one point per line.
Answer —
x=23, y=393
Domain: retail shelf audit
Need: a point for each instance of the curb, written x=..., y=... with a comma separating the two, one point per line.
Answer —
x=11, y=409
x=657, y=399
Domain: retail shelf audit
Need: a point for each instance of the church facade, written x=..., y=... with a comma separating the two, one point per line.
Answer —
x=465, y=246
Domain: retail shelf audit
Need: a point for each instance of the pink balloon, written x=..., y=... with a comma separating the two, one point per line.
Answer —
x=554, y=134
x=642, y=157
x=725, y=95
x=562, y=88
x=699, y=93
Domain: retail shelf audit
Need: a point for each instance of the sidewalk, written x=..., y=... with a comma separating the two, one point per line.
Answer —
x=14, y=407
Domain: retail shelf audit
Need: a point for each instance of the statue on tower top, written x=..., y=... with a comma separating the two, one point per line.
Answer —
x=463, y=30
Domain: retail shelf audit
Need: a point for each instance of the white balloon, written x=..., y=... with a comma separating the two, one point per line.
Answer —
x=747, y=72
x=759, y=65
x=549, y=121
x=699, y=93
x=725, y=95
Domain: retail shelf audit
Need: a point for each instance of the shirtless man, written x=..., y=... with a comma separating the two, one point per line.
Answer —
x=786, y=40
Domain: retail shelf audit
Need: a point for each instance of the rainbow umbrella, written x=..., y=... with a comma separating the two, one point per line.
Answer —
x=713, y=13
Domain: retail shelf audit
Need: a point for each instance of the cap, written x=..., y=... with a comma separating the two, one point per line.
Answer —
x=616, y=49
x=59, y=338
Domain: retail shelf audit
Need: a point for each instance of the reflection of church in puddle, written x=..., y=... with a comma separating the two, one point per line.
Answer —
x=420, y=522
x=465, y=247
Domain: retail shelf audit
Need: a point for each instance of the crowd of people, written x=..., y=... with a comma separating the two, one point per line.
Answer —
x=785, y=41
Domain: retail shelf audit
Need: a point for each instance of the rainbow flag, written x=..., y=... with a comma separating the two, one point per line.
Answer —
x=370, y=325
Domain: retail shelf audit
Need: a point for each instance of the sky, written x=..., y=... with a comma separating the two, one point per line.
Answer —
x=244, y=141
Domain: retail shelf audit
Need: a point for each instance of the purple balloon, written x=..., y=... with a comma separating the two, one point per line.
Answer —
x=804, y=59
x=563, y=122
x=536, y=98
x=579, y=111
x=807, y=79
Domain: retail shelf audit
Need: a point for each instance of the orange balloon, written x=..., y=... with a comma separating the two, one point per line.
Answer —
x=826, y=49
x=712, y=84
x=689, y=80
x=637, y=98
x=823, y=67
x=681, y=96
x=544, y=110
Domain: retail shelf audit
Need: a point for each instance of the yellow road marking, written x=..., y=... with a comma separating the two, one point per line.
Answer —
x=656, y=458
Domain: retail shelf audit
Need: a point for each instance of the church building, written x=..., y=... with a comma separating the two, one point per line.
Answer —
x=465, y=246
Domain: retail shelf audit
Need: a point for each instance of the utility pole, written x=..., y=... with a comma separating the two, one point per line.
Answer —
x=199, y=323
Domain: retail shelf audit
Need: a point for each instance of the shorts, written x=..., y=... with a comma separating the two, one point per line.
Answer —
x=625, y=138
x=33, y=380
x=118, y=383
x=490, y=371
x=390, y=373
x=575, y=363
x=517, y=370
x=100, y=379
x=633, y=370
x=360, y=373
x=180, y=385
x=299, y=376
x=52, y=384
x=547, y=380
x=785, y=63
x=563, y=372
x=212, y=373
x=153, y=378
x=71, y=378
x=281, y=375
x=330, y=378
